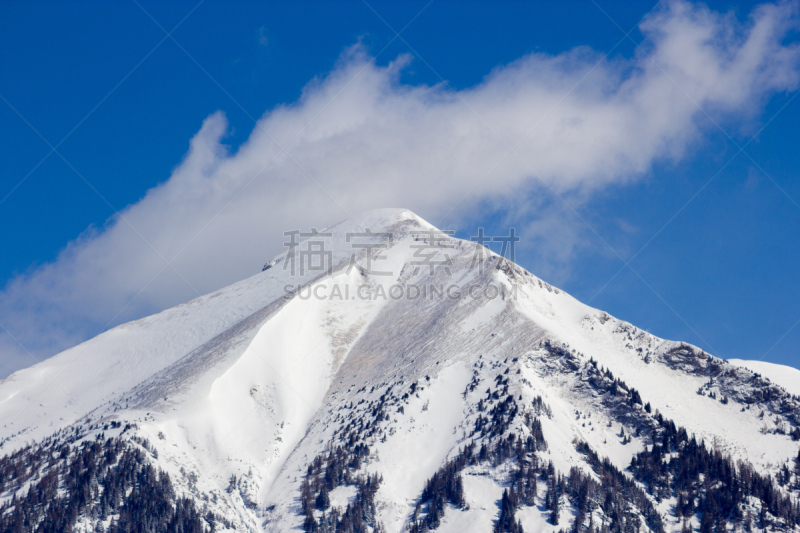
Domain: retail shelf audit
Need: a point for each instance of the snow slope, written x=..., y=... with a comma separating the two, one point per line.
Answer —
x=785, y=376
x=241, y=389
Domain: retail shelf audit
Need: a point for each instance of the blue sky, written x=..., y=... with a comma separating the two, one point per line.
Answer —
x=711, y=232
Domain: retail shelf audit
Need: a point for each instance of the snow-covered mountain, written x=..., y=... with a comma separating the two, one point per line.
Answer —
x=412, y=382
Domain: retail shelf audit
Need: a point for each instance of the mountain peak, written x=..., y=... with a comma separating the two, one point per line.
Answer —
x=387, y=217
x=375, y=355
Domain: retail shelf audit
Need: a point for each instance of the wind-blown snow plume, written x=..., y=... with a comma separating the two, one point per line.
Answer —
x=359, y=138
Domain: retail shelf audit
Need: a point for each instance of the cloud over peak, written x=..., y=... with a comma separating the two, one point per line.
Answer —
x=359, y=138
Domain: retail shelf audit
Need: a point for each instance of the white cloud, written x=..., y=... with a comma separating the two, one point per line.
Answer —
x=359, y=139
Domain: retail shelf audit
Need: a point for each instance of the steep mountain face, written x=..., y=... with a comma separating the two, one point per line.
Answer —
x=413, y=382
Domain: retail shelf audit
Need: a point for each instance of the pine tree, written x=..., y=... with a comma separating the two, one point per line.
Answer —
x=554, y=507
x=508, y=505
x=323, y=501
x=797, y=470
x=310, y=524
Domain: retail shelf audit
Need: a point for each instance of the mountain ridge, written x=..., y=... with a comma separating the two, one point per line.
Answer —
x=240, y=391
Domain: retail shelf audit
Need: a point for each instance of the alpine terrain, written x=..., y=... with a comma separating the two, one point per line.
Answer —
x=382, y=376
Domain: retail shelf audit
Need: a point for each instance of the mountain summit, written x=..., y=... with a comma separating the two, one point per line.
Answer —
x=381, y=375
